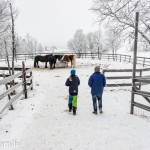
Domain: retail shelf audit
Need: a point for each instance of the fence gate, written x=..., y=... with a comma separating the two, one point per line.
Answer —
x=146, y=80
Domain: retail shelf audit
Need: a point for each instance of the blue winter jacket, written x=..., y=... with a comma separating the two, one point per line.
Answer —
x=97, y=81
x=73, y=84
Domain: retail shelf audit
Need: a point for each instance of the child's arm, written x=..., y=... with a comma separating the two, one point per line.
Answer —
x=67, y=82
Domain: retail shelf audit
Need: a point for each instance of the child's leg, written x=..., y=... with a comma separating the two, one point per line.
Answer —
x=70, y=107
x=70, y=102
x=94, y=103
x=74, y=102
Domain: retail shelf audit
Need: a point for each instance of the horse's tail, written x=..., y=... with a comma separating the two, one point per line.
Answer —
x=35, y=62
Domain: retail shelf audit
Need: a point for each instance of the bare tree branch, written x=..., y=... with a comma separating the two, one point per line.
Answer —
x=121, y=13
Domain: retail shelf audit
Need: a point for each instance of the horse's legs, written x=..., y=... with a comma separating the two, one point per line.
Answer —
x=50, y=65
x=46, y=64
x=71, y=65
x=35, y=62
x=38, y=64
x=74, y=62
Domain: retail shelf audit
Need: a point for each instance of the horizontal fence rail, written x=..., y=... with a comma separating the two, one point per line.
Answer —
x=26, y=81
x=139, y=79
x=144, y=61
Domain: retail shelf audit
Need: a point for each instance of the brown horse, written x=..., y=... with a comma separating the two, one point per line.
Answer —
x=69, y=58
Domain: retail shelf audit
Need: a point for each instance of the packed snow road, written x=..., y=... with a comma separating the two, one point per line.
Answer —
x=42, y=121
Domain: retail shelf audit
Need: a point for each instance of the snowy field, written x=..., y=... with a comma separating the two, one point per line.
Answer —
x=42, y=121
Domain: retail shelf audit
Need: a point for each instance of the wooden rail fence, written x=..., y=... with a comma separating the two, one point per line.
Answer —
x=26, y=83
x=144, y=94
x=138, y=82
x=144, y=61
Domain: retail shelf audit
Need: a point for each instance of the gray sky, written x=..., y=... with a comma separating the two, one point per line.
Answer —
x=54, y=22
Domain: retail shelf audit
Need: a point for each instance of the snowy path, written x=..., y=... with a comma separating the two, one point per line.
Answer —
x=41, y=123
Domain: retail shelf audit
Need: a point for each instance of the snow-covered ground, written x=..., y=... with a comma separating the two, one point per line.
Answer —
x=42, y=121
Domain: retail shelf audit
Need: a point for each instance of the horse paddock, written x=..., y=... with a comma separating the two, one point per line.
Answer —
x=42, y=120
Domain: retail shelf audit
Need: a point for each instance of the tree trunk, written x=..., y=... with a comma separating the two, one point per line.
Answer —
x=13, y=40
x=13, y=43
x=7, y=57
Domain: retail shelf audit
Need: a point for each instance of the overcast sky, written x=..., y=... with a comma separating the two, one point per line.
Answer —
x=54, y=22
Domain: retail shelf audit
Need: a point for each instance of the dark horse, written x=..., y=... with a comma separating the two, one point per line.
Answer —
x=69, y=58
x=42, y=59
x=53, y=59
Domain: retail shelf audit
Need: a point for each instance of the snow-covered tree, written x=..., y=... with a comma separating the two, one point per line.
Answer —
x=77, y=44
x=8, y=14
x=113, y=40
x=5, y=16
x=121, y=15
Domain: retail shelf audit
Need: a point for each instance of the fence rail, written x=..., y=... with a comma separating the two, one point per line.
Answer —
x=144, y=94
x=144, y=61
x=138, y=79
x=26, y=81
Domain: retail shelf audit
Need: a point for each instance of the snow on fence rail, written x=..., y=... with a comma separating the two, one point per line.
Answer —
x=26, y=81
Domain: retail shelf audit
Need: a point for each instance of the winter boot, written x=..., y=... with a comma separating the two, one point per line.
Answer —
x=74, y=111
x=94, y=112
x=70, y=107
x=100, y=111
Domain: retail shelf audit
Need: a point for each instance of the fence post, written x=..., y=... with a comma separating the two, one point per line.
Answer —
x=24, y=79
x=9, y=97
x=134, y=62
x=31, y=80
x=144, y=62
x=98, y=52
x=129, y=58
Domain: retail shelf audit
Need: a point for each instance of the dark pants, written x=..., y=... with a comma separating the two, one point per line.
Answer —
x=96, y=98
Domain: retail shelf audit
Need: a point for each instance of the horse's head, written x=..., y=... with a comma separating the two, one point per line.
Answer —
x=60, y=57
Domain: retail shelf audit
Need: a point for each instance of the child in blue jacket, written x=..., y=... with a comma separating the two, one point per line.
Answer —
x=97, y=81
x=73, y=82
